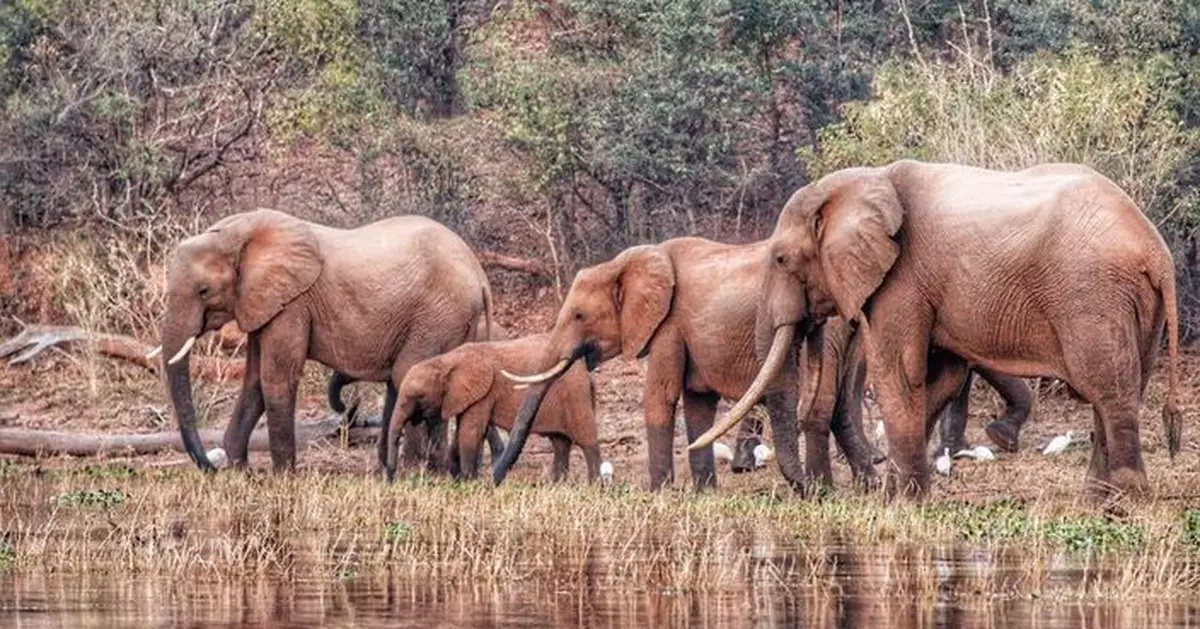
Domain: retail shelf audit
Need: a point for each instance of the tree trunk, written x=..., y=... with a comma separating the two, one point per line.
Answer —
x=35, y=443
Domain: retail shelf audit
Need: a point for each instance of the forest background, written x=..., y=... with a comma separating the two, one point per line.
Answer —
x=550, y=134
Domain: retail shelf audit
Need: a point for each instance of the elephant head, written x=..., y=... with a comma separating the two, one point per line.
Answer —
x=612, y=309
x=831, y=250
x=244, y=268
x=440, y=387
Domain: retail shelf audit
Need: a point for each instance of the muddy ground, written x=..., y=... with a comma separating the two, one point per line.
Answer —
x=78, y=391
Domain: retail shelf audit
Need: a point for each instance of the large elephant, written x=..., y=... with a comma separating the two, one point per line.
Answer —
x=1051, y=271
x=689, y=304
x=464, y=383
x=368, y=302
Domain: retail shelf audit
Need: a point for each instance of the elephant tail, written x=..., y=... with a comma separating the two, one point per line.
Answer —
x=1172, y=418
x=337, y=382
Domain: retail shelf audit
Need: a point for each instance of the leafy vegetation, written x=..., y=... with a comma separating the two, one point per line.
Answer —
x=569, y=130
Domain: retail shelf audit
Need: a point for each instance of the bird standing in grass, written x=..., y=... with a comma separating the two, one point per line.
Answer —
x=606, y=472
x=943, y=462
x=1058, y=444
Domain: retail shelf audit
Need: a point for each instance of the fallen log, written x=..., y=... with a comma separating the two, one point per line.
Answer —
x=35, y=339
x=36, y=443
x=512, y=263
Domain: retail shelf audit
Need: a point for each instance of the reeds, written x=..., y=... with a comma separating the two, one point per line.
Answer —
x=234, y=525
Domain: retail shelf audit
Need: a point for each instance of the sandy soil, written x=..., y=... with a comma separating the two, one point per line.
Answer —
x=86, y=393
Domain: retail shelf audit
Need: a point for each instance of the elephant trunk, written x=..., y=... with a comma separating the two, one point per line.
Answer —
x=177, y=341
x=400, y=416
x=520, y=431
x=771, y=369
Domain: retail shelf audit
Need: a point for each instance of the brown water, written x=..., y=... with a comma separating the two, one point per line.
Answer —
x=946, y=587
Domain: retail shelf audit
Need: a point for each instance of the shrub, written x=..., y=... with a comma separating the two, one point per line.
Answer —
x=1117, y=117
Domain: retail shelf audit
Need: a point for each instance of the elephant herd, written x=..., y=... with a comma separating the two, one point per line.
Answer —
x=913, y=276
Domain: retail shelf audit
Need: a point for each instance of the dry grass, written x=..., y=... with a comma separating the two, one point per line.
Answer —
x=116, y=519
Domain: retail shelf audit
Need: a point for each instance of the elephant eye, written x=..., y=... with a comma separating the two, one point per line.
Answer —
x=203, y=292
x=781, y=260
x=578, y=315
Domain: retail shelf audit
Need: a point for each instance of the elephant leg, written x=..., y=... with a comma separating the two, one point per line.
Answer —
x=472, y=426
x=897, y=359
x=389, y=406
x=435, y=453
x=1018, y=404
x=250, y=406
x=749, y=435
x=562, y=458
x=953, y=423
x=816, y=425
x=495, y=441
x=945, y=379
x=1105, y=368
x=781, y=402
x=847, y=423
x=699, y=409
x=284, y=350
x=664, y=384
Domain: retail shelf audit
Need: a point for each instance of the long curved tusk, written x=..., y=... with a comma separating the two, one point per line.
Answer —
x=187, y=347
x=154, y=352
x=550, y=373
x=770, y=369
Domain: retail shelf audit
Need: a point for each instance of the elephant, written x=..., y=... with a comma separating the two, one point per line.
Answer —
x=463, y=383
x=368, y=302
x=1051, y=271
x=339, y=380
x=688, y=305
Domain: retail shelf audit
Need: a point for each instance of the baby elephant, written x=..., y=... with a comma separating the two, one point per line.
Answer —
x=465, y=383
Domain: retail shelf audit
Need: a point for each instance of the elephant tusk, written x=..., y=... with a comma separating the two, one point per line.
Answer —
x=769, y=371
x=187, y=347
x=550, y=373
x=154, y=352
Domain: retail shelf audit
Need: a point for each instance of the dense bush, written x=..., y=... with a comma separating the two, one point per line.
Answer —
x=567, y=130
x=1117, y=117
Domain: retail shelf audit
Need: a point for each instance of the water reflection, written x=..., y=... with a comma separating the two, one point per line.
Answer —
x=905, y=588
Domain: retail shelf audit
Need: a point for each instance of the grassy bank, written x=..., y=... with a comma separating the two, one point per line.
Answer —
x=116, y=519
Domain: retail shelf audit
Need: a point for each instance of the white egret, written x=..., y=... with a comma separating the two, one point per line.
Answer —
x=1058, y=444
x=979, y=453
x=721, y=452
x=606, y=472
x=762, y=454
x=942, y=463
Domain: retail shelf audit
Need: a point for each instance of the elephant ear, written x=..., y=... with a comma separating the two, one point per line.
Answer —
x=645, y=287
x=280, y=260
x=855, y=228
x=467, y=382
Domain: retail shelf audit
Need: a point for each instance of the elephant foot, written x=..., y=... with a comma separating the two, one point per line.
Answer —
x=743, y=455
x=1130, y=481
x=1002, y=433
